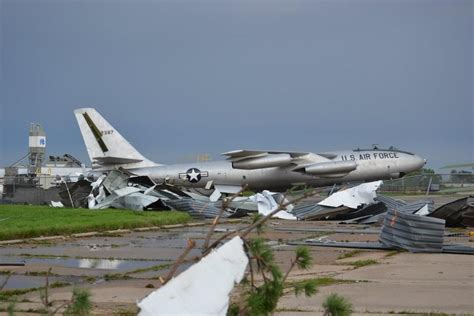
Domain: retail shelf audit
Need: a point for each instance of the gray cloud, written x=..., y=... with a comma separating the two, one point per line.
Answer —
x=183, y=77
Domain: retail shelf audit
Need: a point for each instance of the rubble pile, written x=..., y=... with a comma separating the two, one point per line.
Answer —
x=357, y=205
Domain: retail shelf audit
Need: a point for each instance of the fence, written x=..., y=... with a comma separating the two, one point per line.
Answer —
x=431, y=183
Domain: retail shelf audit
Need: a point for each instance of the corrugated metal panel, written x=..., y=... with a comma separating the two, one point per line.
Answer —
x=379, y=215
x=79, y=192
x=314, y=211
x=456, y=213
x=368, y=219
x=328, y=229
x=389, y=202
x=338, y=244
x=412, y=232
x=368, y=210
x=200, y=209
x=195, y=208
x=447, y=248
x=415, y=206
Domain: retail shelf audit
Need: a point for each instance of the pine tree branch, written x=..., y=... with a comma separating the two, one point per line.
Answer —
x=191, y=245
x=225, y=204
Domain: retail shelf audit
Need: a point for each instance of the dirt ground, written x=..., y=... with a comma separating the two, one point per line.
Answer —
x=116, y=269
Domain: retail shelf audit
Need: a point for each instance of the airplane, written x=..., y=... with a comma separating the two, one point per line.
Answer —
x=255, y=169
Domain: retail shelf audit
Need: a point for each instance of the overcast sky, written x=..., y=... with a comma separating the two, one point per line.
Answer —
x=178, y=78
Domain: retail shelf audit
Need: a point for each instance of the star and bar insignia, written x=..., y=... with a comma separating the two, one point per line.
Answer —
x=193, y=175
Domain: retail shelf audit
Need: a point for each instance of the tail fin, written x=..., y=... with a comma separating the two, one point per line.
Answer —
x=104, y=144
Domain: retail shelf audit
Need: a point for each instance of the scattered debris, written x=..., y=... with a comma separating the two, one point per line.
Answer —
x=415, y=233
x=202, y=289
x=343, y=205
x=203, y=209
x=447, y=248
x=390, y=202
x=328, y=230
x=13, y=264
x=266, y=204
x=354, y=197
x=458, y=213
x=79, y=192
x=119, y=190
x=370, y=214
x=311, y=211
x=56, y=204
x=357, y=205
x=404, y=229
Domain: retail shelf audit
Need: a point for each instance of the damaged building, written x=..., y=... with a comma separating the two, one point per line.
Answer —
x=37, y=179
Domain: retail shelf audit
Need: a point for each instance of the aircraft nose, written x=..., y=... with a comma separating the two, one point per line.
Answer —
x=419, y=162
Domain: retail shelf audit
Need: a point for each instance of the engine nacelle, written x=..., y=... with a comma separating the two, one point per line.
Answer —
x=336, y=167
x=268, y=161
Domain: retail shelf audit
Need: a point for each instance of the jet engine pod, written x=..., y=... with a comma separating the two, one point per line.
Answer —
x=268, y=161
x=336, y=167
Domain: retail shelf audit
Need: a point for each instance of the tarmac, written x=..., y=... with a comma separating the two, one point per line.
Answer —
x=115, y=266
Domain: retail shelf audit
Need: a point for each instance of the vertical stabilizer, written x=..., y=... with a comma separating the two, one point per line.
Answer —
x=104, y=143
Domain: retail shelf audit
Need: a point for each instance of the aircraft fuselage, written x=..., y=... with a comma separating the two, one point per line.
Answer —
x=371, y=165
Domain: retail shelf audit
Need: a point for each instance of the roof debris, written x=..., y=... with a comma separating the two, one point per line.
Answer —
x=404, y=230
x=266, y=204
x=412, y=232
x=354, y=197
x=357, y=205
x=458, y=213
x=204, y=288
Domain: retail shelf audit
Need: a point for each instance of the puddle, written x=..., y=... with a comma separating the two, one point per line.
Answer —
x=92, y=263
x=157, y=247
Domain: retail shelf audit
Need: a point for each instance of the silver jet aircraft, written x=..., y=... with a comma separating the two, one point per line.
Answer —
x=258, y=169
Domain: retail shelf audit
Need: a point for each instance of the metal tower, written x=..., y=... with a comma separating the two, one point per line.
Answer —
x=37, y=148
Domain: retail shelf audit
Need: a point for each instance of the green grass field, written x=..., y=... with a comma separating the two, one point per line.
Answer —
x=25, y=221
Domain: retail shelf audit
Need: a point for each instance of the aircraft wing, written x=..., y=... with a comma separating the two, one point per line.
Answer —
x=323, y=165
x=242, y=154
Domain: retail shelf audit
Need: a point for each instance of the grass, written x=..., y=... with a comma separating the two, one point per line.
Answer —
x=349, y=254
x=40, y=311
x=27, y=255
x=158, y=267
x=25, y=221
x=39, y=273
x=393, y=253
x=248, y=193
x=5, y=295
x=125, y=312
x=362, y=263
x=326, y=281
x=337, y=305
x=322, y=281
x=295, y=309
x=408, y=312
x=116, y=276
